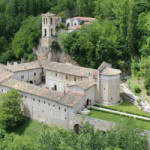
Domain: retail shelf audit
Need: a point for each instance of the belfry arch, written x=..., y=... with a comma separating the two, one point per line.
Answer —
x=45, y=32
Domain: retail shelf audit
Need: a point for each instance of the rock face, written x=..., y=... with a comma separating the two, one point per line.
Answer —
x=47, y=54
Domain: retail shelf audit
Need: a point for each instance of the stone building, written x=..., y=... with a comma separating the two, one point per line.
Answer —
x=77, y=22
x=69, y=89
x=29, y=72
x=72, y=22
x=103, y=84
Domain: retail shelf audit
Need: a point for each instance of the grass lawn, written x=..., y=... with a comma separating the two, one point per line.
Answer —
x=133, y=82
x=117, y=118
x=30, y=128
x=128, y=107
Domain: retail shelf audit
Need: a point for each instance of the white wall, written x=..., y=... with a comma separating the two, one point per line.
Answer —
x=60, y=80
x=44, y=110
x=91, y=95
x=29, y=76
x=110, y=89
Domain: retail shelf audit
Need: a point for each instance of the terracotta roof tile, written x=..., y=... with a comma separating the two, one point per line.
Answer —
x=24, y=66
x=110, y=71
x=85, y=18
x=4, y=74
x=69, y=69
x=70, y=99
x=84, y=85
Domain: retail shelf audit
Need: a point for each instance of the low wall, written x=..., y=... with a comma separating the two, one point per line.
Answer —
x=100, y=124
x=97, y=123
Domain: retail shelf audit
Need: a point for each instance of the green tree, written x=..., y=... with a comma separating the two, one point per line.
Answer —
x=10, y=112
x=27, y=37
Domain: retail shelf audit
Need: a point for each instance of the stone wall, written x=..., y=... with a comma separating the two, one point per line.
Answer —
x=33, y=76
x=97, y=123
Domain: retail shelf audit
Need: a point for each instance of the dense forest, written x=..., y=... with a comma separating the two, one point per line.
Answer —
x=121, y=36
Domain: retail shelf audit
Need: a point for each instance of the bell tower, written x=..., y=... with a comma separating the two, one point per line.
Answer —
x=48, y=29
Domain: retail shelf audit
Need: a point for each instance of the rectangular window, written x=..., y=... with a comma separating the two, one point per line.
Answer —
x=22, y=77
x=56, y=74
x=66, y=77
x=75, y=79
x=34, y=74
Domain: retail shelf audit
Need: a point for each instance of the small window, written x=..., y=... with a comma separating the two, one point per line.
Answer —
x=22, y=77
x=44, y=102
x=33, y=99
x=55, y=87
x=66, y=77
x=34, y=74
x=49, y=104
x=56, y=74
x=111, y=98
x=2, y=90
x=104, y=88
x=42, y=110
x=38, y=100
x=75, y=79
x=53, y=105
x=25, y=97
x=65, y=110
x=59, y=108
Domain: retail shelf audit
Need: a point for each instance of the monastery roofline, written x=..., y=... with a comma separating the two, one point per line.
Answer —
x=43, y=92
x=69, y=69
x=48, y=14
x=85, y=85
x=110, y=71
x=24, y=66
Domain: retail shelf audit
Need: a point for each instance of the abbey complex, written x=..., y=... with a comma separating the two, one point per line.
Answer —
x=55, y=92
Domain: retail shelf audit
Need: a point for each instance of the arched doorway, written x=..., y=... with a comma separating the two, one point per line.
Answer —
x=55, y=87
x=76, y=128
x=45, y=32
x=31, y=82
x=88, y=102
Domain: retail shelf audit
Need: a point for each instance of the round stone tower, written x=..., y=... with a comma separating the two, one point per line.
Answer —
x=110, y=86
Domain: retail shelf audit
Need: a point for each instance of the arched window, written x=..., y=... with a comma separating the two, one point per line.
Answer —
x=46, y=20
x=88, y=102
x=51, y=32
x=45, y=32
x=51, y=21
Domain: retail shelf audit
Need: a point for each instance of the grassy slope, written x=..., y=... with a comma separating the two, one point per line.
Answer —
x=30, y=128
x=117, y=118
x=134, y=81
x=128, y=107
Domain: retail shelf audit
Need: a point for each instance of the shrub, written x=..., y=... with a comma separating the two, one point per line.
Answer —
x=137, y=89
x=2, y=133
x=55, y=45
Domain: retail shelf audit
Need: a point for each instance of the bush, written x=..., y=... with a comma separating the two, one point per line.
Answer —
x=31, y=57
x=2, y=133
x=137, y=89
x=55, y=45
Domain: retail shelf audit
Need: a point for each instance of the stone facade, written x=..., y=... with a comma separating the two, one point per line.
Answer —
x=29, y=72
x=105, y=81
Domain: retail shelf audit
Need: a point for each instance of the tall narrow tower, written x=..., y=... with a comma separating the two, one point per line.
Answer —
x=48, y=29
